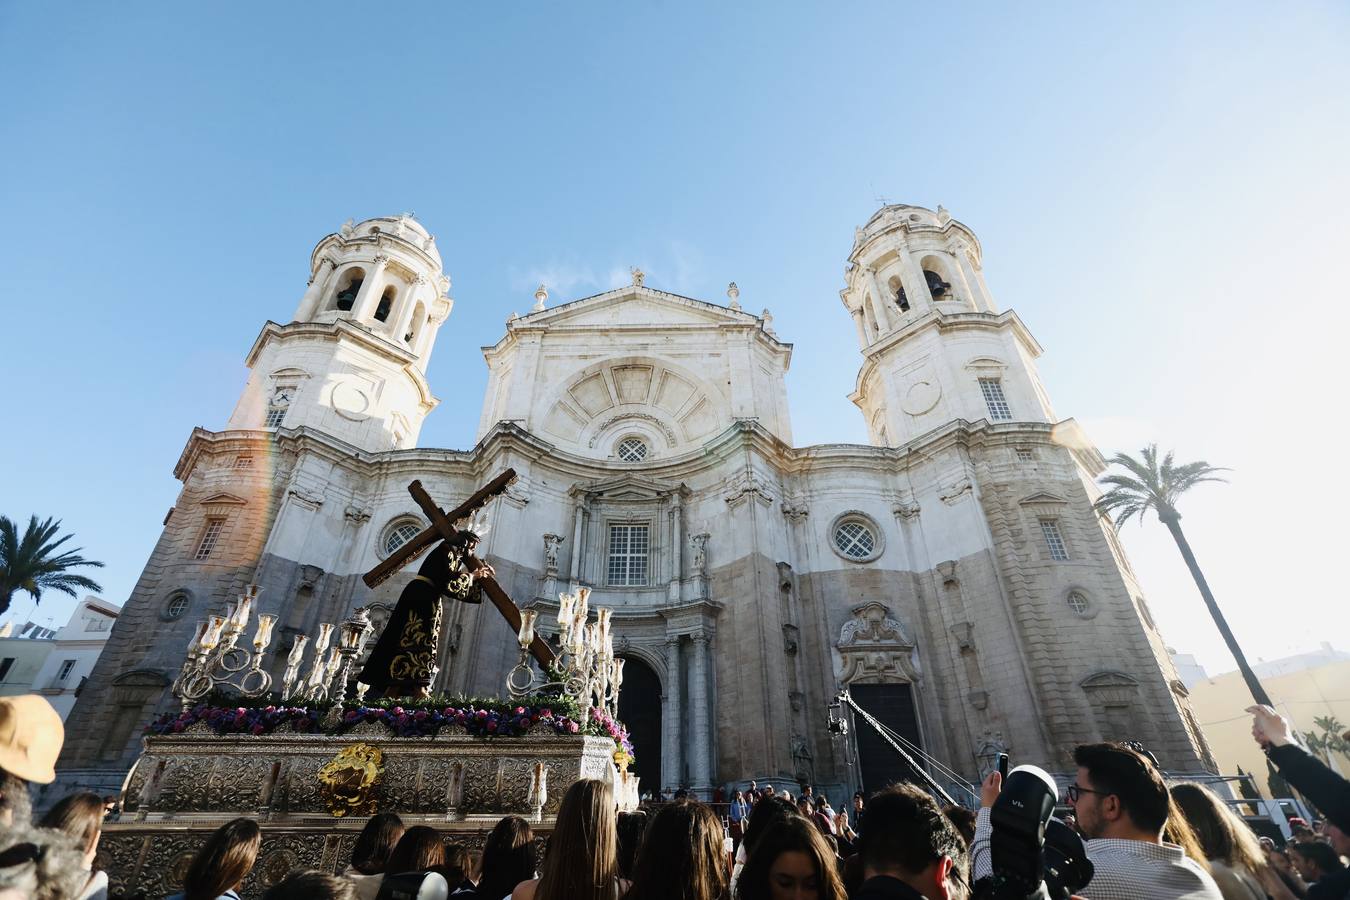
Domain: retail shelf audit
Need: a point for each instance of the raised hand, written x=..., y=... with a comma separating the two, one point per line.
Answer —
x=1269, y=727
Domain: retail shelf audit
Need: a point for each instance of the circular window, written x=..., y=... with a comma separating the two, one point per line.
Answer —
x=399, y=534
x=1080, y=604
x=176, y=606
x=631, y=449
x=855, y=538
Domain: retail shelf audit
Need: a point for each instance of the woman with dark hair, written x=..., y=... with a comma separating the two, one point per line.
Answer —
x=376, y=841
x=421, y=849
x=1235, y=857
x=582, y=861
x=631, y=827
x=790, y=859
x=508, y=859
x=686, y=861
x=373, y=846
x=766, y=812
x=223, y=862
x=81, y=817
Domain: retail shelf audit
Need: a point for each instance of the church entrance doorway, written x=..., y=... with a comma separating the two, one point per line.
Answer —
x=893, y=706
x=640, y=710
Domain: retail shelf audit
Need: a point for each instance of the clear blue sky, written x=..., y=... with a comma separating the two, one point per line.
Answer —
x=1161, y=193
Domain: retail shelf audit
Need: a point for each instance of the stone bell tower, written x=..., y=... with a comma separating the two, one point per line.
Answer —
x=934, y=346
x=352, y=363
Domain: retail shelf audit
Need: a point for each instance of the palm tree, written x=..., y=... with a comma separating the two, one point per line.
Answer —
x=1154, y=485
x=31, y=563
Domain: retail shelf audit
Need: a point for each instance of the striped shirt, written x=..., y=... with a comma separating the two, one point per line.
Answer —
x=1124, y=870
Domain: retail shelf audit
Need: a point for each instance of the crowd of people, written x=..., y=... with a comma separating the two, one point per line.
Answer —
x=1144, y=839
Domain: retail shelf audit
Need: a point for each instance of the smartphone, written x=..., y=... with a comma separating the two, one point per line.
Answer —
x=1003, y=766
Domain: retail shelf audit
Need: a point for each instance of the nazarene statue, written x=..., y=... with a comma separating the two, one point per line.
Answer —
x=403, y=663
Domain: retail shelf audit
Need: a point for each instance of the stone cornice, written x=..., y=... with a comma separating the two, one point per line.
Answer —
x=337, y=331
x=744, y=434
x=943, y=322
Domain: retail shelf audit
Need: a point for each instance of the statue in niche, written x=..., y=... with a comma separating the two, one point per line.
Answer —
x=699, y=563
x=551, y=542
x=347, y=296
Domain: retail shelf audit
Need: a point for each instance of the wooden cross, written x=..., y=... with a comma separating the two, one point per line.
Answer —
x=443, y=528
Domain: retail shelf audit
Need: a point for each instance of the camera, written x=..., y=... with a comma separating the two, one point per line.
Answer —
x=1034, y=854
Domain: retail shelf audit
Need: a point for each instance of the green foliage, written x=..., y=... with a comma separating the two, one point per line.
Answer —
x=1150, y=484
x=32, y=563
x=1331, y=738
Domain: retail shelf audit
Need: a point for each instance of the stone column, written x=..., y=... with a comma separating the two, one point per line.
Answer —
x=672, y=772
x=974, y=294
x=702, y=736
x=862, y=329
x=314, y=293
x=364, y=306
x=676, y=548
x=409, y=304
x=883, y=301
x=575, y=574
x=873, y=333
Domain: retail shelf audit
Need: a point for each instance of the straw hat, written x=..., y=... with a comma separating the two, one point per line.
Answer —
x=31, y=735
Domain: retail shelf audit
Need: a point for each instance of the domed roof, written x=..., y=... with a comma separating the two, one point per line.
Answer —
x=402, y=227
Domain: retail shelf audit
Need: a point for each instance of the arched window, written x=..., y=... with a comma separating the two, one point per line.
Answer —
x=349, y=285
x=631, y=449
x=399, y=533
x=936, y=286
x=415, y=323
x=386, y=304
x=898, y=293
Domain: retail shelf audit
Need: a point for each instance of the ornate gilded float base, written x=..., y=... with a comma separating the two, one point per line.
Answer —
x=311, y=794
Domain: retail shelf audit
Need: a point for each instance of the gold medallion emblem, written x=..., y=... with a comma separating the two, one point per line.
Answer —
x=349, y=782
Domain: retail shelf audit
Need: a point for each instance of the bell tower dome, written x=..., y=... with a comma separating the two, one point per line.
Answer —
x=934, y=346
x=352, y=363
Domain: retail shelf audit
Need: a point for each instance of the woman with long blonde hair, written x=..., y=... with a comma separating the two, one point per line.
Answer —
x=582, y=862
x=1232, y=849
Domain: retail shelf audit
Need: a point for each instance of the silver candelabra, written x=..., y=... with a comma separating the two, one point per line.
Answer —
x=214, y=657
x=585, y=668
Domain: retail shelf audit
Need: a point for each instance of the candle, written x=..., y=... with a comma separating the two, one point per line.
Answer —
x=242, y=610
x=617, y=678
x=604, y=614
x=325, y=635
x=526, y=635
x=212, y=635
x=263, y=636
x=585, y=596
x=297, y=651
x=195, y=644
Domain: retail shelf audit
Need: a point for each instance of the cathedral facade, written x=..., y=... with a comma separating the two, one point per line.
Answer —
x=951, y=574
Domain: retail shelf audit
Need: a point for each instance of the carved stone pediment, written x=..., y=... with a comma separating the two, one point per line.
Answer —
x=875, y=646
x=1110, y=688
x=873, y=625
x=629, y=488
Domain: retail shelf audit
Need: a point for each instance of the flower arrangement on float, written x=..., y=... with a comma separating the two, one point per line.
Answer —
x=407, y=718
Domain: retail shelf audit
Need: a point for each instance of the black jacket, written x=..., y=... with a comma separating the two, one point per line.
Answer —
x=1335, y=886
x=1325, y=789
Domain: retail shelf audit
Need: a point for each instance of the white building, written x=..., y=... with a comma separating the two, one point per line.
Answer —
x=56, y=664
x=951, y=573
x=74, y=650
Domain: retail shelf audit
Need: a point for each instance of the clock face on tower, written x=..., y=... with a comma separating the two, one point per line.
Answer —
x=283, y=396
